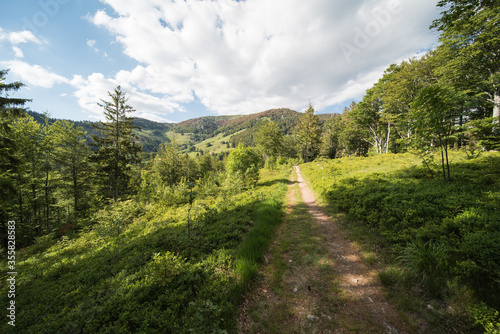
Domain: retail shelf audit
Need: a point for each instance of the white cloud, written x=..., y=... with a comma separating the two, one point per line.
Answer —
x=90, y=43
x=18, y=53
x=91, y=90
x=18, y=37
x=242, y=57
x=33, y=74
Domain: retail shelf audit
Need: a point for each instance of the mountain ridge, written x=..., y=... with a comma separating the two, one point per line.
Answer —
x=152, y=133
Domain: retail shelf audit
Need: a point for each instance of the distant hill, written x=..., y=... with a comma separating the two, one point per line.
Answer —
x=203, y=134
x=151, y=134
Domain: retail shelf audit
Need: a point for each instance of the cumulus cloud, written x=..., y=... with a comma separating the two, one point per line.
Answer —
x=18, y=37
x=33, y=74
x=91, y=90
x=243, y=57
x=239, y=57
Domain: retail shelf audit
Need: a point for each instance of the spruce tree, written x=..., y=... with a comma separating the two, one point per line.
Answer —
x=10, y=109
x=309, y=134
x=117, y=148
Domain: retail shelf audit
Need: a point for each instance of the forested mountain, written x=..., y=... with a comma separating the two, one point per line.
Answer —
x=151, y=134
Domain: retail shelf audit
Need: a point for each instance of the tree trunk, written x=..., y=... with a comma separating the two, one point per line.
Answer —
x=75, y=189
x=388, y=137
x=496, y=109
x=47, y=203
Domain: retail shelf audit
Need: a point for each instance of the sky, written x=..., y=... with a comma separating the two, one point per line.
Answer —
x=181, y=59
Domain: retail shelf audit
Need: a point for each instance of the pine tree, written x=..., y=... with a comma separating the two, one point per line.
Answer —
x=10, y=109
x=309, y=134
x=117, y=147
x=71, y=156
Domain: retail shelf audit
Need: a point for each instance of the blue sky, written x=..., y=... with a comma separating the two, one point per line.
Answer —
x=178, y=60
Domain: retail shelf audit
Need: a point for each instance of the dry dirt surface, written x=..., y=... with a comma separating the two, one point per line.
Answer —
x=360, y=284
x=361, y=305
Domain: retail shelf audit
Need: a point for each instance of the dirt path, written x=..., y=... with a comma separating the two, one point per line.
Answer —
x=314, y=280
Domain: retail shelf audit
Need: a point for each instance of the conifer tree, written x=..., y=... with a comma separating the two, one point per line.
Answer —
x=117, y=147
x=309, y=134
x=10, y=109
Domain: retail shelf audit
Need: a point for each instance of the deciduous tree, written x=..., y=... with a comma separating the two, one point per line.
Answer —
x=470, y=29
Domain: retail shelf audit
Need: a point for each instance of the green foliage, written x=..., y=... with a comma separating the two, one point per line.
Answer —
x=244, y=163
x=308, y=133
x=208, y=318
x=486, y=317
x=163, y=268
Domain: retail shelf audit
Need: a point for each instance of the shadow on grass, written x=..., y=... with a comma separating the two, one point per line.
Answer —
x=274, y=182
x=109, y=288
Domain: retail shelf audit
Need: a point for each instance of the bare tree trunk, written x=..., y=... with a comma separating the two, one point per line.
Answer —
x=388, y=137
x=47, y=202
x=496, y=108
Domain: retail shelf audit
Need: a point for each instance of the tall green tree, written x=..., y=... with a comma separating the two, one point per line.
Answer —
x=28, y=177
x=371, y=115
x=270, y=139
x=71, y=157
x=470, y=30
x=399, y=87
x=331, y=137
x=308, y=133
x=117, y=147
x=436, y=111
x=10, y=109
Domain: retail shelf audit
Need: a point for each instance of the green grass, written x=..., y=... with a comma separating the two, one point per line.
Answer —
x=137, y=270
x=215, y=143
x=179, y=138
